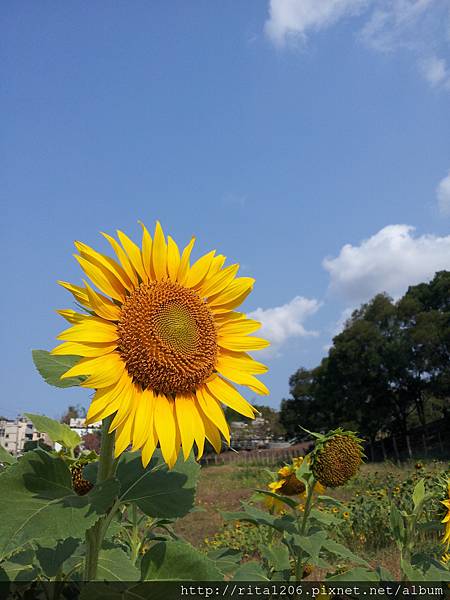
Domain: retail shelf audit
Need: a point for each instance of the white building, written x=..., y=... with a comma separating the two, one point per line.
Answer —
x=15, y=434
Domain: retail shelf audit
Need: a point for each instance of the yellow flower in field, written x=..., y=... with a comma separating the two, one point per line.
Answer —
x=161, y=343
x=446, y=519
x=346, y=515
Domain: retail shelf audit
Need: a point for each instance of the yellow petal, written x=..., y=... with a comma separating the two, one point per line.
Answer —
x=102, y=306
x=216, y=265
x=184, y=262
x=211, y=433
x=90, y=329
x=243, y=378
x=133, y=253
x=219, y=281
x=224, y=392
x=173, y=259
x=109, y=373
x=213, y=410
x=199, y=270
x=147, y=252
x=165, y=426
x=235, y=290
x=123, y=258
x=239, y=361
x=102, y=279
x=159, y=253
x=128, y=403
x=242, y=343
x=71, y=315
x=143, y=424
x=107, y=400
x=123, y=433
x=104, y=263
x=225, y=308
x=199, y=429
x=86, y=349
x=79, y=293
x=149, y=446
x=239, y=327
x=184, y=408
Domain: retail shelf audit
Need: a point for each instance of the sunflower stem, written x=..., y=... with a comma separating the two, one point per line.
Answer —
x=106, y=469
x=302, y=527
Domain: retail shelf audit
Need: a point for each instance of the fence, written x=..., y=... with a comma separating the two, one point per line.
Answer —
x=268, y=456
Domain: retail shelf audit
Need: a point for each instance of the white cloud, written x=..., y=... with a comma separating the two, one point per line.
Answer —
x=281, y=323
x=419, y=26
x=296, y=17
x=443, y=195
x=435, y=71
x=389, y=261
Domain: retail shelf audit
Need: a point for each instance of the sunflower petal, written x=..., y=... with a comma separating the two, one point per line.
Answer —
x=103, y=371
x=147, y=252
x=102, y=306
x=173, y=259
x=90, y=329
x=239, y=327
x=183, y=269
x=242, y=343
x=71, y=315
x=133, y=253
x=239, y=361
x=102, y=279
x=213, y=410
x=104, y=263
x=86, y=349
x=199, y=270
x=235, y=290
x=165, y=426
x=242, y=378
x=123, y=258
x=159, y=253
x=143, y=424
x=211, y=433
x=224, y=392
x=219, y=281
x=184, y=407
x=78, y=292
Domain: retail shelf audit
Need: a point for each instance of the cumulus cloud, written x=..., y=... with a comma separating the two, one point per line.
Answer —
x=443, y=195
x=296, y=17
x=419, y=26
x=389, y=261
x=281, y=323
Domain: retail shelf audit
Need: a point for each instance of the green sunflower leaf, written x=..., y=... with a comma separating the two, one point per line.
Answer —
x=114, y=565
x=158, y=491
x=37, y=503
x=52, y=367
x=6, y=458
x=51, y=556
x=175, y=560
x=57, y=432
x=250, y=571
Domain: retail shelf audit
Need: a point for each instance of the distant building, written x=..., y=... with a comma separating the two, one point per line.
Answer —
x=14, y=434
x=78, y=425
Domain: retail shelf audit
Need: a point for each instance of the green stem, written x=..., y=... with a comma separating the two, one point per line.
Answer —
x=302, y=527
x=95, y=535
x=135, y=534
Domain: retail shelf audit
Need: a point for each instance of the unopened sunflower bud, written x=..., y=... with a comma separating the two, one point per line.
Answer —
x=337, y=458
x=80, y=485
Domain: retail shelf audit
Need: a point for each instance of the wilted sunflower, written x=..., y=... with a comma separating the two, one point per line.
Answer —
x=446, y=519
x=337, y=457
x=161, y=347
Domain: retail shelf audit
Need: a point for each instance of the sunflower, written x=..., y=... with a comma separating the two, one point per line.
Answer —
x=446, y=519
x=162, y=344
x=287, y=484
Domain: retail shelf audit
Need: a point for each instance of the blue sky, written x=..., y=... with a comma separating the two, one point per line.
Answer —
x=307, y=140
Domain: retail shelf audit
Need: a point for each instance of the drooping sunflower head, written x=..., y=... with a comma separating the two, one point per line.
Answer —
x=336, y=458
x=162, y=344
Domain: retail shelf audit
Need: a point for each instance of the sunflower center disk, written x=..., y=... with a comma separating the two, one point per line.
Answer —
x=167, y=338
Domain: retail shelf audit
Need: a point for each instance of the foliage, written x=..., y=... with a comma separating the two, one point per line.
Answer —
x=388, y=368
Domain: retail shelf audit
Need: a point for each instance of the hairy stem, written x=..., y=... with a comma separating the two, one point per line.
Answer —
x=95, y=535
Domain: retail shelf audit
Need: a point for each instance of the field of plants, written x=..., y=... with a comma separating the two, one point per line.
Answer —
x=360, y=518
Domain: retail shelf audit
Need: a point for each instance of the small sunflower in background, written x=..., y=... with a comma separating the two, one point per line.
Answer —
x=336, y=458
x=162, y=344
x=287, y=484
x=446, y=519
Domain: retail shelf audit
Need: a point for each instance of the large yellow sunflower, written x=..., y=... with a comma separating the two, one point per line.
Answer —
x=164, y=343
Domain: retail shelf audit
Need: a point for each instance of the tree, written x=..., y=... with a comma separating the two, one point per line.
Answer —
x=73, y=412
